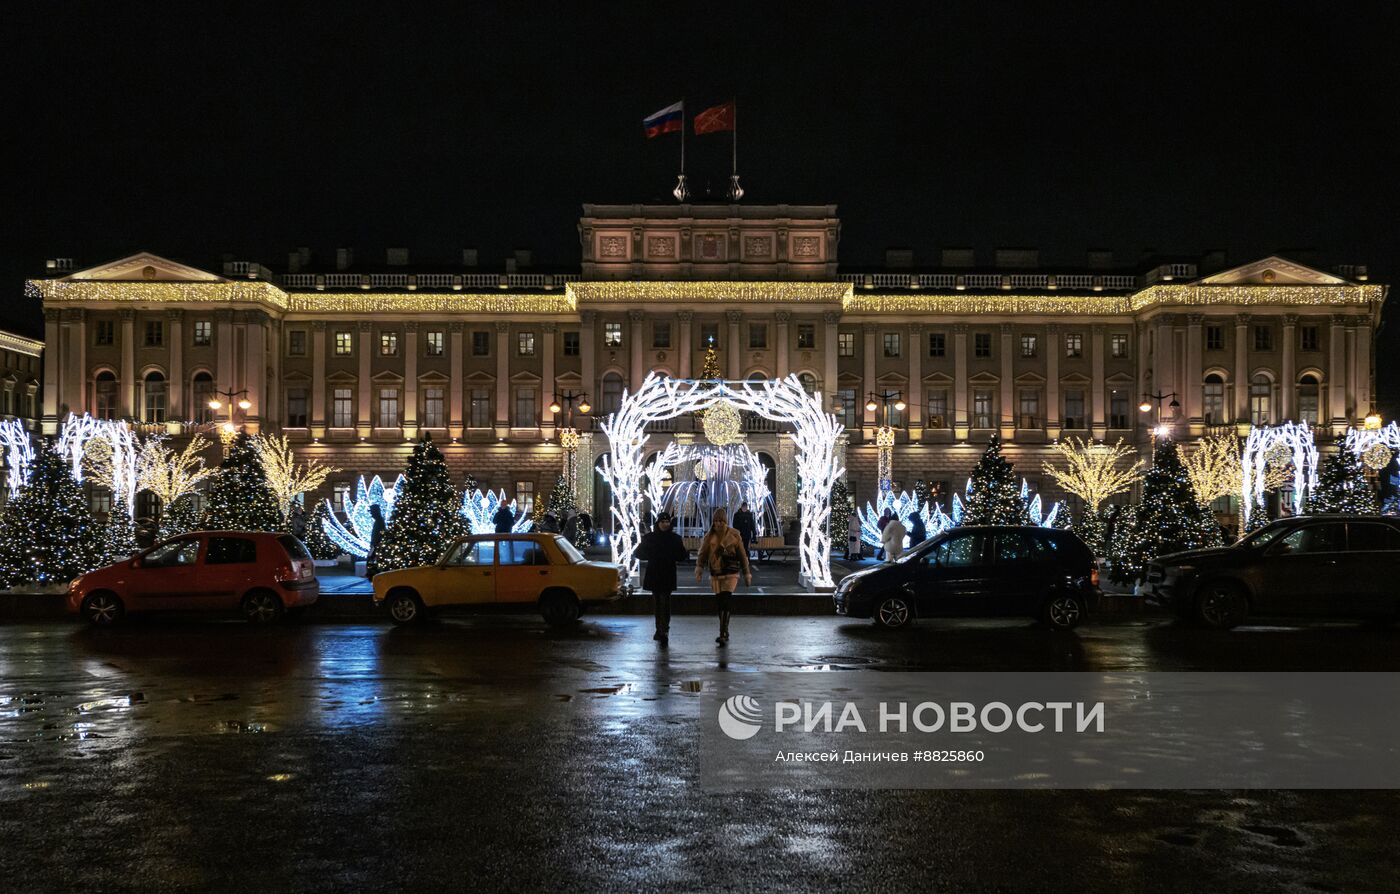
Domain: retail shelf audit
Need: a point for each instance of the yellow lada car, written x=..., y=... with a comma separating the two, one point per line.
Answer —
x=500, y=572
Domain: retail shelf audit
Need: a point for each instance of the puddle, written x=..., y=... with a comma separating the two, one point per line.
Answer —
x=692, y=687
x=1280, y=836
x=242, y=726
x=619, y=689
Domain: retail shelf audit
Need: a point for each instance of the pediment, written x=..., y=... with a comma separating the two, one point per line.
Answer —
x=1074, y=379
x=1119, y=379
x=143, y=267
x=1030, y=378
x=1273, y=271
x=479, y=376
x=341, y=376
x=386, y=376
x=433, y=377
x=526, y=377
x=297, y=377
x=938, y=378
x=984, y=378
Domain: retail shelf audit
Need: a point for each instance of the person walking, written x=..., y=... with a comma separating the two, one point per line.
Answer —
x=722, y=552
x=504, y=519
x=880, y=525
x=892, y=539
x=745, y=524
x=662, y=548
x=918, y=531
x=376, y=534
x=853, y=546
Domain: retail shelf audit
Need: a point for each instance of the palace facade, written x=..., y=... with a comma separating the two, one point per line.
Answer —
x=354, y=362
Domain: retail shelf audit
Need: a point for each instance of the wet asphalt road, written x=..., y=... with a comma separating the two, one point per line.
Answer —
x=492, y=753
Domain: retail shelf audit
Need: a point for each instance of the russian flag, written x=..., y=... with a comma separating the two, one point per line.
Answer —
x=668, y=120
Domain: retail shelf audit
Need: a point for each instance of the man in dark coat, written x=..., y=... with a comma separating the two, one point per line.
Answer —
x=662, y=548
x=746, y=525
x=504, y=519
x=918, y=531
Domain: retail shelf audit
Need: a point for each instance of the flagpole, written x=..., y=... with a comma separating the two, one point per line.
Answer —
x=734, y=141
x=682, y=137
x=682, y=192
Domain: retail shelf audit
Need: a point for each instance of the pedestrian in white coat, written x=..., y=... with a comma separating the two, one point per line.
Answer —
x=892, y=539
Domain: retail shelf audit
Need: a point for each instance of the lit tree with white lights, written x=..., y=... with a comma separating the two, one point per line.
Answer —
x=47, y=534
x=425, y=518
x=239, y=498
x=1093, y=473
x=287, y=478
x=1169, y=519
x=119, y=537
x=995, y=497
x=1342, y=486
x=317, y=542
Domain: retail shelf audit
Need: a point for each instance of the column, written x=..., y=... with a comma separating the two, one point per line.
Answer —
x=685, y=348
x=1337, y=374
x=732, y=348
x=363, y=419
x=831, y=379
x=1193, y=376
x=53, y=381
x=456, y=407
x=1353, y=408
x=588, y=371
x=867, y=347
x=960, y=420
x=916, y=382
x=74, y=356
x=175, y=388
x=1288, y=375
x=502, y=378
x=547, y=331
x=1007, y=413
x=127, y=392
x=637, y=371
x=318, y=379
x=410, y=379
x=783, y=364
x=1164, y=365
x=1240, y=377
x=1361, y=355
x=1052, y=381
x=255, y=368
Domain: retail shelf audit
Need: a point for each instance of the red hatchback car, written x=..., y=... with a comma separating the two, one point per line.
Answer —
x=261, y=575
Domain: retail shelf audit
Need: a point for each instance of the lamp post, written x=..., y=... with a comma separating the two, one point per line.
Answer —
x=1159, y=429
x=233, y=400
x=568, y=435
x=884, y=434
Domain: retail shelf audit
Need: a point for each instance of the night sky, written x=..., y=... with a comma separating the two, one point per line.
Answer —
x=196, y=130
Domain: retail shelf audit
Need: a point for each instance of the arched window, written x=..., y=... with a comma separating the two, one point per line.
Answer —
x=203, y=389
x=809, y=382
x=104, y=403
x=612, y=394
x=1308, y=402
x=1213, y=399
x=1260, y=400
x=154, y=387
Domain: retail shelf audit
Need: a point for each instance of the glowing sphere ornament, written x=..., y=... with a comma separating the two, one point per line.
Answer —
x=1377, y=456
x=722, y=424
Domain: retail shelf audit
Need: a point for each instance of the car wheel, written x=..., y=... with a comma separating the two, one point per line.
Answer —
x=1063, y=611
x=1221, y=605
x=262, y=607
x=103, y=609
x=893, y=611
x=559, y=609
x=404, y=607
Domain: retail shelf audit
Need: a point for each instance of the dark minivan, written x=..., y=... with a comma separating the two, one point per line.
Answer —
x=1312, y=566
x=991, y=571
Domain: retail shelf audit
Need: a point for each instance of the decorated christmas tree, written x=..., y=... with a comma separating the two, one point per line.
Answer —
x=47, y=534
x=709, y=371
x=1169, y=519
x=1342, y=486
x=841, y=508
x=180, y=517
x=425, y=516
x=119, y=536
x=239, y=498
x=561, y=500
x=320, y=545
x=1090, y=527
x=995, y=497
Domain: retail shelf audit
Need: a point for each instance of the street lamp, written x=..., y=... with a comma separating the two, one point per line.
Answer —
x=568, y=435
x=884, y=434
x=231, y=399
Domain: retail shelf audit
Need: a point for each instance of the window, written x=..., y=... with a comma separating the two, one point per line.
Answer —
x=1117, y=409
x=204, y=333
x=525, y=496
x=1329, y=537
x=1308, y=403
x=1029, y=416
x=344, y=343
x=982, y=344
x=1308, y=339
x=1015, y=548
x=105, y=396
x=892, y=344
x=571, y=344
x=1074, y=344
x=1074, y=409
x=1371, y=537
x=937, y=408
x=1028, y=345
x=1118, y=345
x=661, y=334
x=525, y=408
x=340, y=496
x=481, y=343
x=847, y=413
x=342, y=408
x=155, y=397
x=982, y=408
x=483, y=552
x=806, y=335
x=433, y=344
x=203, y=387
x=958, y=551
x=101, y=501
x=525, y=344
x=809, y=381
x=296, y=408
x=1213, y=399
x=388, y=344
x=1260, y=393
x=612, y=394
x=231, y=551
x=104, y=333
x=521, y=552
x=388, y=408
x=480, y=408
x=296, y=342
x=937, y=344
x=612, y=335
x=1263, y=338
x=845, y=344
x=1215, y=338
x=155, y=333
x=758, y=335
x=173, y=554
x=433, y=415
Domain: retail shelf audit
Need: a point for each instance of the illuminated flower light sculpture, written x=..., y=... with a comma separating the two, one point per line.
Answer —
x=355, y=539
x=1375, y=447
x=904, y=504
x=479, y=509
x=1265, y=442
x=19, y=454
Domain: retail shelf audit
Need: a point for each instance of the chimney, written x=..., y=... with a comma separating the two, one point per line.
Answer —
x=1099, y=259
x=524, y=258
x=959, y=257
x=344, y=257
x=396, y=257
x=899, y=258
x=468, y=257
x=1018, y=257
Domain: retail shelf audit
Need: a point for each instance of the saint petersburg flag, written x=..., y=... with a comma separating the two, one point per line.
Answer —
x=668, y=120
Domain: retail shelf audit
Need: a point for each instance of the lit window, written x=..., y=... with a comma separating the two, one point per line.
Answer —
x=845, y=344
x=344, y=343
x=1029, y=416
x=612, y=335
x=481, y=408
x=982, y=408
x=525, y=408
x=525, y=496
x=388, y=344
x=892, y=345
x=155, y=397
x=388, y=408
x=1213, y=399
x=433, y=345
x=937, y=409
x=342, y=408
x=525, y=344
x=1028, y=345
x=1118, y=345
x=1074, y=345
x=1260, y=400
x=433, y=404
x=203, y=333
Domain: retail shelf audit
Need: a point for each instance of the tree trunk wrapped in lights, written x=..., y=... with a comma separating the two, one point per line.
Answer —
x=239, y=498
x=287, y=478
x=47, y=534
x=426, y=517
